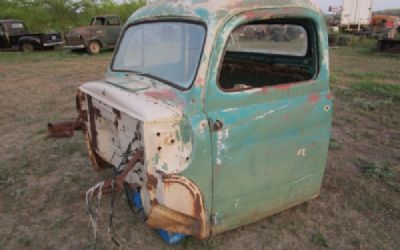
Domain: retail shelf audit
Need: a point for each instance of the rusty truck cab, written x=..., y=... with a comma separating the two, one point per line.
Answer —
x=230, y=103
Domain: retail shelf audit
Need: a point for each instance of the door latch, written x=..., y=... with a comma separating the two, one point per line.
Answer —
x=217, y=125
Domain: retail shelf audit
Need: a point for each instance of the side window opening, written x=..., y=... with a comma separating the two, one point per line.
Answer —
x=113, y=21
x=268, y=54
x=98, y=21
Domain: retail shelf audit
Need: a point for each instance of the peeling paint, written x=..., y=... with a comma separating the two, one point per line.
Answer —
x=207, y=151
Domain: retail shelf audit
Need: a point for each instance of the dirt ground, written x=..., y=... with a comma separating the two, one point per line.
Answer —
x=41, y=180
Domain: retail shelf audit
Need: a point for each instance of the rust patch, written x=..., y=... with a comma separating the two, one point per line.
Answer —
x=171, y=220
x=152, y=182
x=314, y=98
x=200, y=81
x=198, y=206
x=250, y=15
x=163, y=95
x=198, y=229
x=265, y=90
x=283, y=86
x=93, y=131
x=64, y=129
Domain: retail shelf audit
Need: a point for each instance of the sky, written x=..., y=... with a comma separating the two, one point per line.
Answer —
x=378, y=4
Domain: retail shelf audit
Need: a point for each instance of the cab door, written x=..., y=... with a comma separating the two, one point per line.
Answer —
x=113, y=30
x=3, y=37
x=270, y=110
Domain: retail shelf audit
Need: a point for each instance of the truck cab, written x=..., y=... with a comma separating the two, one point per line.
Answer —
x=14, y=35
x=230, y=103
x=102, y=33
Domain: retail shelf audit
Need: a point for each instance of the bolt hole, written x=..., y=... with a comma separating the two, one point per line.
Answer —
x=159, y=148
x=187, y=158
x=172, y=141
x=158, y=134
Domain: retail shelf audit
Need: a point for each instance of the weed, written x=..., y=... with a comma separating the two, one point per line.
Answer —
x=4, y=175
x=388, y=91
x=370, y=104
x=190, y=243
x=381, y=171
x=41, y=131
x=60, y=224
x=365, y=75
x=66, y=148
x=24, y=241
x=334, y=79
x=334, y=145
x=319, y=240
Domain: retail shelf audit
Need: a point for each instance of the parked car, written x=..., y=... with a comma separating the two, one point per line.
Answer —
x=103, y=33
x=14, y=35
x=212, y=133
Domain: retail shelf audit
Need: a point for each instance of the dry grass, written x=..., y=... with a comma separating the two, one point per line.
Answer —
x=41, y=181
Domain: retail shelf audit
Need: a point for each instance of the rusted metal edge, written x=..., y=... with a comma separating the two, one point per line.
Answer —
x=171, y=220
x=64, y=129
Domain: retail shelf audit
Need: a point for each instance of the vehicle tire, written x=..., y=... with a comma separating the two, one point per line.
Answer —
x=27, y=47
x=93, y=48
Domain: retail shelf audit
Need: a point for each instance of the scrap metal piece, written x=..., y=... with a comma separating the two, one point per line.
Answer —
x=63, y=129
x=389, y=46
x=171, y=220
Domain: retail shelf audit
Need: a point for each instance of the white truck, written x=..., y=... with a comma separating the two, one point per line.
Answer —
x=356, y=15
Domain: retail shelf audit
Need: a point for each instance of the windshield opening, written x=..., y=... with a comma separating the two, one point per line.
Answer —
x=169, y=51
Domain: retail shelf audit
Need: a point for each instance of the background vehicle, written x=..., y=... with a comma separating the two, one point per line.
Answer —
x=103, y=33
x=356, y=15
x=351, y=16
x=384, y=26
x=14, y=35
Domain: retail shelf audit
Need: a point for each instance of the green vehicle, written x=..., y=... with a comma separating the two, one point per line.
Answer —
x=102, y=33
x=217, y=112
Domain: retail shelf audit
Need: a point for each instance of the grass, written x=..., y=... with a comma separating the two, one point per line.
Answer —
x=25, y=242
x=381, y=172
x=370, y=105
x=42, y=180
x=37, y=56
x=334, y=145
x=387, y=91
x=319, y=240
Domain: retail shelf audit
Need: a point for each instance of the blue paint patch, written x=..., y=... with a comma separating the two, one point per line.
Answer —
x=171, y=238
x=137, y=200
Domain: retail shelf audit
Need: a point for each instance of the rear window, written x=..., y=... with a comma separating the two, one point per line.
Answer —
x=269, y=53
x=113, y=21
x=17, y=25
x=277, y=39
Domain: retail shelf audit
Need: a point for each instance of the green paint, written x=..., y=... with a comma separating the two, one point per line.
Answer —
x=271, y=153
x=164, y=167
x=156, y=159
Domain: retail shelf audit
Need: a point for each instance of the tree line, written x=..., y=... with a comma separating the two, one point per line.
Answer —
x=62, y=15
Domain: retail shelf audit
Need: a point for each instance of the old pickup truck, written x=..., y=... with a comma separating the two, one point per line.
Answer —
x=14, y=35
x=214, y=125
x=102, y=33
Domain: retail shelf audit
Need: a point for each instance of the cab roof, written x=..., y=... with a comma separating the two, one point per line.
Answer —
x=11, y=21
x=211, y=10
